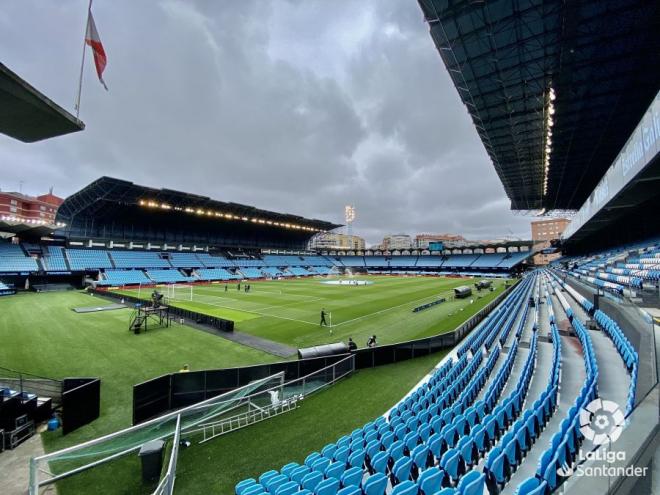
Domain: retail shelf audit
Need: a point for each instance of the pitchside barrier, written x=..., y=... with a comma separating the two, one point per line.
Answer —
x=155, y=397
x=200, y=318
x=165, y=393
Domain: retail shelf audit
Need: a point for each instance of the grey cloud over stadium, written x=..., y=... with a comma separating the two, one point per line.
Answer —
x=299, y=107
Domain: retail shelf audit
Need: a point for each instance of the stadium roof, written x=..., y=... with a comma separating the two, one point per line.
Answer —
x=107, y=197
x=27, y=228
x=554, y=88
x=27, y=114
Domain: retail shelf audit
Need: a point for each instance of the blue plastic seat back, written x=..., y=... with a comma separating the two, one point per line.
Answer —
x=420, y=456
x=450, y=463
x=356, y=458
x=405, y=488
x=435, y=444
x=288, y=488
x=335, y=470
x=401, y=469
x=410, y=440
x=352, y=476
x=299, y=473
x=242, y=485
x=267, y=475
x=371, y=448
x=430, y=481
x=387, y=439
x=275, y=482
x=396, y=450
x=328, y=451
x=254, y=490
x=328, y=486
x=350, y=490
x=321, y=464
x=311, y=480
x=287, y=469
x=472, y=483
x=379, y=462
x=375, y=484
x=309, y=460
x=527, y=486
x=447, y=491
x=342, y=454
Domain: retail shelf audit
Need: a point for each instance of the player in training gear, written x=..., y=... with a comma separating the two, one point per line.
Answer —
x=323, y=322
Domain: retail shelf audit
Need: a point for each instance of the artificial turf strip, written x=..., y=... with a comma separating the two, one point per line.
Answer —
x=216, y=466
x=287, y=311
x=41, y=335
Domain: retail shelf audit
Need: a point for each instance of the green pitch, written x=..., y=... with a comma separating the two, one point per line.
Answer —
x=288, y=311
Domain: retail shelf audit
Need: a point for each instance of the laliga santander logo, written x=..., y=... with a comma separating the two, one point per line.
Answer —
x=602, y=421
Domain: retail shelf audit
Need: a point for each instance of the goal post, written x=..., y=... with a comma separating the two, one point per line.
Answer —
x=180, y=292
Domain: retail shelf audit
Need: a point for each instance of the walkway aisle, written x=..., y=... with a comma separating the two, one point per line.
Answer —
x=613, y=377
x=572, y=377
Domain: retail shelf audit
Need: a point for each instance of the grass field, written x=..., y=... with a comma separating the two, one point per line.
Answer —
x=288, y=311
x=42, y=335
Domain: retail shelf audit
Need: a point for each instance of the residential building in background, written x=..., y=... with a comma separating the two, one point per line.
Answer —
x=396, y=242
x=19, y=206
x=422, y=241
x=337, y=241
x=543, y=232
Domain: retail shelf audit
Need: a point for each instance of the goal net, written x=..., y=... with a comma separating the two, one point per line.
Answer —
x=180, y=292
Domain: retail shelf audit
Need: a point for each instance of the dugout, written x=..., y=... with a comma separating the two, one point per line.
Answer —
x=483, y=284
x=462, y=292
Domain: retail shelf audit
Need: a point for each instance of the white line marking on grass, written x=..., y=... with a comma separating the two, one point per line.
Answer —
x=387, y=309
x=258, y=313
x=289, y=304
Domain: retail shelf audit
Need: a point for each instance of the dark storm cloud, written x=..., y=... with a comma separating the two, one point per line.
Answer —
x=294, y=106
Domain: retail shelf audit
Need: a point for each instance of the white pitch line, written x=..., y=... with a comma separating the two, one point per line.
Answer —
x=257, y=313
x=288, y=304
x=386, y=309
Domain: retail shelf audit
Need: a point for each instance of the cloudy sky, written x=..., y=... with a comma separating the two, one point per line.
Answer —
x=289, y=105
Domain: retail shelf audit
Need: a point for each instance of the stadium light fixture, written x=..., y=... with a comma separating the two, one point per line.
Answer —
x=549, y=123
x=228, y=216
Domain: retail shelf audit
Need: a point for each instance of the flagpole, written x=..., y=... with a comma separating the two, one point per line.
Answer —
x=82, y=62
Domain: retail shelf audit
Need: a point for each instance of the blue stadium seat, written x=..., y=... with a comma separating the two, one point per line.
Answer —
x=328, y=486
x=375, y=484
x=352, y=477
x=430, y=480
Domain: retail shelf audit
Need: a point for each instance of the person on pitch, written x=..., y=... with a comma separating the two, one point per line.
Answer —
x=323, y=322
x=352, y=346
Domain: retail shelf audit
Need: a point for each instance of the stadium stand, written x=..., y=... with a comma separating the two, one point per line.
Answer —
x=168, y=276
x=216, y=274
x=88, y=259
x=14, y=260
x=352, y=261
x=53, y=259
x=271, y=271
x=481, y=420
x=138, y=259
x=123, y=277
x=278, y=260
x=213, y=261
x=250, y=272
x=185, y=260
x=298, y=271
x=249, y=262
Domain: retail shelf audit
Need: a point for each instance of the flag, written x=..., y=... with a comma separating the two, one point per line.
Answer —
x=93, y=40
